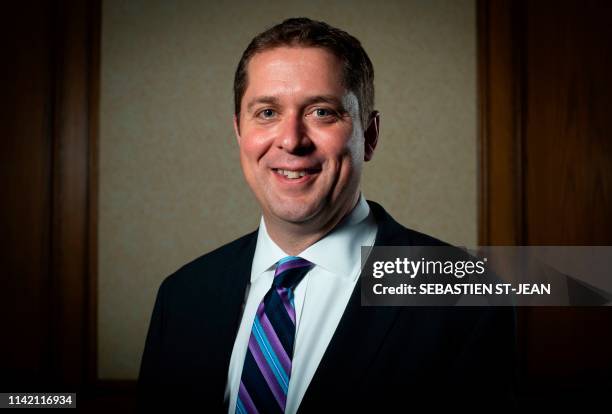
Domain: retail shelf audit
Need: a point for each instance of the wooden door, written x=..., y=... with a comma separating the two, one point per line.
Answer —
x=545, y=78
x=47, y=160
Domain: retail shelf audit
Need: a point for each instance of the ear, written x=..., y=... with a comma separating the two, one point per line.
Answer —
x=371, y=135
x=237, y=129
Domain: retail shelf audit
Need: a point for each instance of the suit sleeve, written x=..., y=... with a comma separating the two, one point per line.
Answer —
x=488, y=361
x=150, y=376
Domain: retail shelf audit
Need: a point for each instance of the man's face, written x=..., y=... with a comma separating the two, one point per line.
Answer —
x=300, y=136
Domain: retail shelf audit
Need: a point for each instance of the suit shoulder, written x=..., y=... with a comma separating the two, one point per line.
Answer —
x=392, y=233
x=416, y=238
x=211, y=261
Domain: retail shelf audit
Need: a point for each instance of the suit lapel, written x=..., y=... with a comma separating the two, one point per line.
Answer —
x=228, y=300
x=358, y=337
x=353, y=347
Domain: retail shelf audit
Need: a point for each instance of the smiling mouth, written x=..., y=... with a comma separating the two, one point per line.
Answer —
x=294, y=174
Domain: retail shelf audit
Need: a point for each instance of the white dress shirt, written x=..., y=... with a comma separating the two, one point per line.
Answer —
x=320, y=298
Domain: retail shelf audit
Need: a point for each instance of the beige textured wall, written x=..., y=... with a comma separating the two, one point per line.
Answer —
x=170, y=183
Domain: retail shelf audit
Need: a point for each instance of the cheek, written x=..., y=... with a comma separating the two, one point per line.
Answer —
x=249, y=154
x=347, y=152
x=335, y=141
x=350, y=159
x=252, y=148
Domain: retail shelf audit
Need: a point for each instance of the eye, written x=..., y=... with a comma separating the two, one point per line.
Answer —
x=267, y=113
x=322, y=112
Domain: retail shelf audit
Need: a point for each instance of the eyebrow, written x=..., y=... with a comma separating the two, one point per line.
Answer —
x=270, y=100
x=330, y=99
x=273, y=100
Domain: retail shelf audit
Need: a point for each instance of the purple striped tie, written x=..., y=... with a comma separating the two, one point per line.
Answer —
x=267, y=364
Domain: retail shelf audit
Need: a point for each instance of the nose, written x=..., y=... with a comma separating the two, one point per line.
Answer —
x=293, y=136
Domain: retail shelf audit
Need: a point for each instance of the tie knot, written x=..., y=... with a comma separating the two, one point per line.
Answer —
x=290, y=271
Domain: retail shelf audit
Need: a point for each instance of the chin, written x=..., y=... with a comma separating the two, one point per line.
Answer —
x=298, y=213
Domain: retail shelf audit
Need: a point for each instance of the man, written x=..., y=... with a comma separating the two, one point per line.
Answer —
x=272, y=322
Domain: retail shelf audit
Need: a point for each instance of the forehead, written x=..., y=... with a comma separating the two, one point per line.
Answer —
x=294, y=71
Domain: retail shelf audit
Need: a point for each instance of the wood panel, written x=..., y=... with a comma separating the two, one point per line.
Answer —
x=568, y=123
x=25, y=163
x=71, y=193
x=568, y=186
x=500, y=87
x=47, y=234
x=545, y=171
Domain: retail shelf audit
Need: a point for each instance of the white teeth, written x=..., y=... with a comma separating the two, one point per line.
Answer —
x=291, y=174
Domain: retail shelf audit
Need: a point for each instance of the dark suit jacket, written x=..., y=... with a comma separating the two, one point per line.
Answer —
x=380, y=358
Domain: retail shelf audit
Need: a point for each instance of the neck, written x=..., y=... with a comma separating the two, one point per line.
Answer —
x=294, y=238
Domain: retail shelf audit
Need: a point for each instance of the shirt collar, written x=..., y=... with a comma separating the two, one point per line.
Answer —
x=339, y=252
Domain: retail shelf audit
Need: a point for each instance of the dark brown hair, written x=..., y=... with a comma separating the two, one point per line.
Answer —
x=358, y=71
